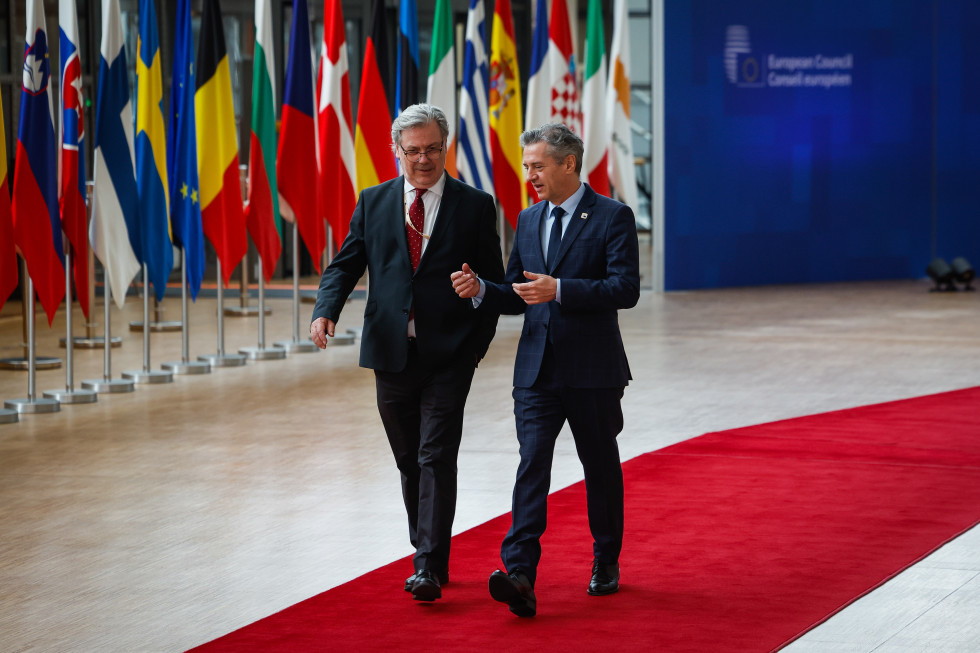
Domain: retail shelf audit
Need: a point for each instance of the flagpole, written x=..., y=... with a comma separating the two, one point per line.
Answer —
x=107, y=384
x=261, y=352
x=22, y=363
x=185, y=365
x=296, y=346
x=70, y=395
x=33, y=403
x=221, y=359
x=147, y=375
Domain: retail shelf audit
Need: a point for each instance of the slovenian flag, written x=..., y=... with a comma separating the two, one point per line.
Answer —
x=222, y=213
x=505, y=115
x=151, y=154
x=372, y=136
x=296, y=167
x=113, y=231
x=335, y=126
x=473, y=152
x=36, y=219
x=185, y=195
x=262, y=211
x=74, y=218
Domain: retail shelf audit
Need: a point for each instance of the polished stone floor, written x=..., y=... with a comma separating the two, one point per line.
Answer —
x=159, y=519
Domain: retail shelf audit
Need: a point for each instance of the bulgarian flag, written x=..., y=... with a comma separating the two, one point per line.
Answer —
x=441, y=91
x=505, y=115
x=8, y=253
x=594, y=128
x=372, y=139
x=217, y=145
x=262, y=213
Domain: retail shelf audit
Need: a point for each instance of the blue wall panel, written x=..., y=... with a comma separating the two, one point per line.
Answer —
x=800, y=141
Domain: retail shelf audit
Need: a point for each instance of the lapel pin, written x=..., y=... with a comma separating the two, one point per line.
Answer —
x=584, y=216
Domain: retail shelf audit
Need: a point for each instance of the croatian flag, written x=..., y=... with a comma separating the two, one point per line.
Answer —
x=37, y=224
x=72, y=142
x=114, y=230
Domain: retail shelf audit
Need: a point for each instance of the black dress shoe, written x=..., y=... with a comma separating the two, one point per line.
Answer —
x=441, y=574
x=426, y=586
x=516, y=591
x=605, y=578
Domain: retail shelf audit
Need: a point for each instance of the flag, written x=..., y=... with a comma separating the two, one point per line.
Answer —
x=407, y=86
x=74, y=218
x=372, y=138
x=8, y=252
x=37, y=225
x=262, y=212
x=473, y=152
x=622, y=169
x=185, y=201
x=296, y=167
x=114, y=230
x=441, y=91
x=151, y=154
x=594, y=127
x=505, y=115
x=538, y=111
x=217, y=146
x=335, y=151
x=560, y=59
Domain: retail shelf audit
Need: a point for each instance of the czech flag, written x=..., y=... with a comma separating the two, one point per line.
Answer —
x=37, y=223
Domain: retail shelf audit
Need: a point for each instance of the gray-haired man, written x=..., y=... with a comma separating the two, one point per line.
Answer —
x=422, y=341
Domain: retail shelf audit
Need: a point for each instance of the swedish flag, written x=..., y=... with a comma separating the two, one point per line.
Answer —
x=151, y=154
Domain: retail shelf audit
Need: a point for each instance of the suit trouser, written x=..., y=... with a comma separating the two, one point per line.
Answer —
x=422, y=411
x=595, y=417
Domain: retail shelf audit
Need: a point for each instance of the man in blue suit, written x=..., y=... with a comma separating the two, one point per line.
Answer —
x=422, y=342
x=574, y=264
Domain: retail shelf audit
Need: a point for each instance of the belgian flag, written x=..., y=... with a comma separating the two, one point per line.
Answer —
x=222, y=213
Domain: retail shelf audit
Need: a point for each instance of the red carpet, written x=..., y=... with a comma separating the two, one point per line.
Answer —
x=735, y=541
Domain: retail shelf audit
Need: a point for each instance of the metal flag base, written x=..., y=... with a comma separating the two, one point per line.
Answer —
x=223, y=360
x=37, y=405
x=8, y=416
x=83, y=342
x=40, y=363
x=298, y=346
x=263, y=353
x=156, y=326
x=66, y=396
x=108, y=386
x=187, y=367
x=148, y=376
x=245, y=311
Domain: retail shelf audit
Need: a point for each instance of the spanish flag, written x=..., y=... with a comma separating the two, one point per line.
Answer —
x=505, y=115
x=217, y=145
x=372, y=138
x=8, y=253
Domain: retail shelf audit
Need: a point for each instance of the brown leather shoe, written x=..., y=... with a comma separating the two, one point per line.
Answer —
x=516, y=591
x=605, y=578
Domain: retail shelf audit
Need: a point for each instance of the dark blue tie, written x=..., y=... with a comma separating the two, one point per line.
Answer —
x=555, y=240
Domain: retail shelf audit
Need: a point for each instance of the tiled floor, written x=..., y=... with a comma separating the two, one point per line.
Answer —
x=162, y=518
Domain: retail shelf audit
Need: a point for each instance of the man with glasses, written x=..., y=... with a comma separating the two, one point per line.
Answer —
x=422, y=341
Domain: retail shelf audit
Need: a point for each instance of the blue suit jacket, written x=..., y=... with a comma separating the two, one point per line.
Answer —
x=598, y=265
x=447, y=328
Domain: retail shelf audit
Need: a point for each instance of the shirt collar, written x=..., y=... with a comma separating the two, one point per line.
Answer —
x=571, y=203
x=436, y=189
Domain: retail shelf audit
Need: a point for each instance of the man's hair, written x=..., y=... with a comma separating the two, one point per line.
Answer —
x=418, y=115
x=561, y=142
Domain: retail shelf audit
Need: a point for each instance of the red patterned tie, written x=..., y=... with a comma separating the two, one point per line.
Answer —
x=416, y=213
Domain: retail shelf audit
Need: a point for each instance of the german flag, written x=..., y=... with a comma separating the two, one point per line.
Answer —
x=217, y=146
x=372, y=139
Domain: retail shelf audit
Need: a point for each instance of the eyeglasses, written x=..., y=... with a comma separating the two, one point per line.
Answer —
x=415, y=156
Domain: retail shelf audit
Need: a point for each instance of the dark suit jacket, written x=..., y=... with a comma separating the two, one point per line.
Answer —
x=446, y=327
x=598, y=265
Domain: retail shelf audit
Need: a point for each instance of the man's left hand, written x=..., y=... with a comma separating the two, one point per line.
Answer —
x=538, y=290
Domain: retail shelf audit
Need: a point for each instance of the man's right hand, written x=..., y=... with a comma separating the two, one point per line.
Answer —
x=465, y=282
x=320, y=329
